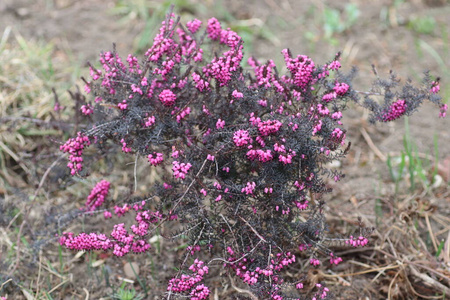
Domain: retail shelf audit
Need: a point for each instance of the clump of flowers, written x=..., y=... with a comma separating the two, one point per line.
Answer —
x=97, y=195
x=247, y=153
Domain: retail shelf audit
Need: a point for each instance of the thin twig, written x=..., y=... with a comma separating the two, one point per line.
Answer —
x=135, y=177
x=239, y=290
x=256, y=232
x=430, y=281
x=372, y=145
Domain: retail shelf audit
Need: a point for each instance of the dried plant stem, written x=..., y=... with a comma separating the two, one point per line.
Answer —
x=372, y=145
x=242, y=291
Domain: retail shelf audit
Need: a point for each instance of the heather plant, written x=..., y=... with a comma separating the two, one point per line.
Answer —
x=242, y=156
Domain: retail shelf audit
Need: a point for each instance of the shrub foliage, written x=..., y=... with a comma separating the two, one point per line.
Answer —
x=242, y=155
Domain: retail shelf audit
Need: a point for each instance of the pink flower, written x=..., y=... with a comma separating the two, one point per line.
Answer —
x=443, y=110
x=193, y=25
x=180, y=170
x=150, y=121
x=87, y=109
x=241, y=138
x=167, y=97
x=183, y=114
x=201, y=84
x=335, y=260
x=87, y=88
x=328, y=97
x=341, y=88
x=155, y=158
x=237, y=94
x=97, y=195
x=124, y=146
x=75, y=147
x=220, y=124
x=435, y=87
x=395, y=111
x=359, y=242
x=213, y=29
x=314, y=261
x=249, y=188
x=123, y=105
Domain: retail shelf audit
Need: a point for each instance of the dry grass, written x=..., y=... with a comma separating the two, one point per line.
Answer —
x=28, y=72
x=409, y=250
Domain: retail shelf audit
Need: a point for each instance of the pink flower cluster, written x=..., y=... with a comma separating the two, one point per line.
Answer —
x=97, y=195
x=180, y=170
x=242, y=138
x=314, y=261
x=133, y=64
x=335, y=260
x=122, y=105
x=200, y=292
x=302, y=68
x=249, y=188
x=328, y=97
x=58, y=107
x=221, y=68
x=220, y=124
x=322, y=293
x=167, y=97
x=189, y=282
x=265, y=127
x=87, y=109
x=323, y=110
x=193, y=249
x=84, y=241
x=119, y=240
x=338, y=136
x=213, y=29
x=280, y=261
x=286, y=159
x=260, y=155
x=163, y=44
x=194, y=25
x=200, y=83
x=335, y=64
x=237, y=95
x=124, y=146
x=264, y=74
x=75, y=147
x=112, y=66
x=341, y=88
x=395, y=111
x=155, y=158
x=302, y=205
x=435, y=88
x=183, y=114
x=317, y=127
x=150, y=121
x=95, y=74
x=358, y=242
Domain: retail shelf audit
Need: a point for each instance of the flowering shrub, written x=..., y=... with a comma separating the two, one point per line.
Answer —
x=248, y=153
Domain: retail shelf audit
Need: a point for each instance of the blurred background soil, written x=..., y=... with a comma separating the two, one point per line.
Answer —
x=46, y=43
